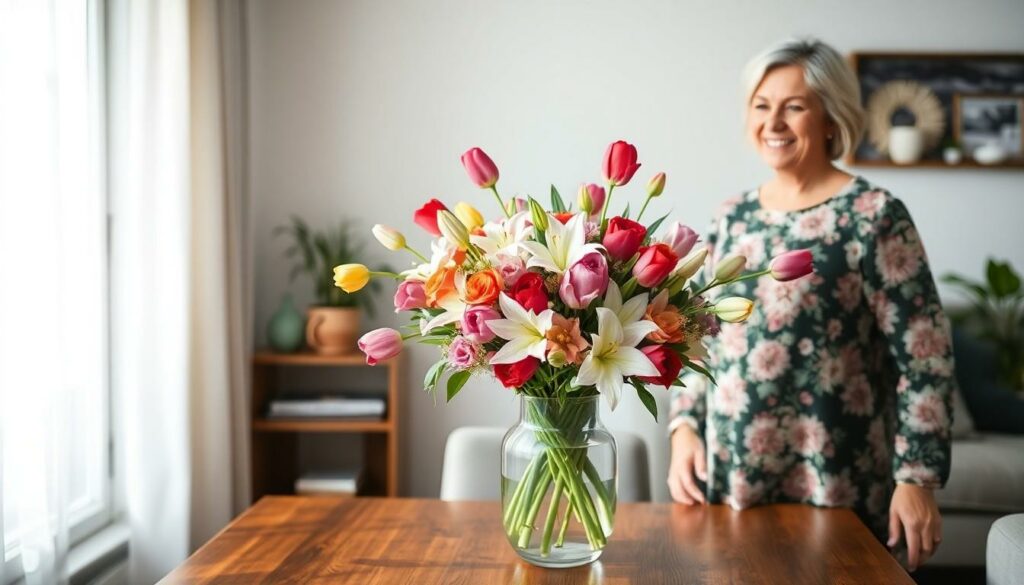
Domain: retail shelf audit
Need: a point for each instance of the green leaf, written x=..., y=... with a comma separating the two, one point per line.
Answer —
x=433, y=374
x=456, y=382
x=625, y=214
x=654, y=226
x=1001, y=279
x=646, y=397
x=557, y=205
x=701, y=370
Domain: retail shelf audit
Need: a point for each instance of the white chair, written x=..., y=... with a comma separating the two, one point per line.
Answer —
x=472, y=465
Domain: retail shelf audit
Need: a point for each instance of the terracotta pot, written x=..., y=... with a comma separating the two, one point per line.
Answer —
x=332, y=330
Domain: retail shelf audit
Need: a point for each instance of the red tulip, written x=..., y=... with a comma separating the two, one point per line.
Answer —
x=480, y=167
x=655, y=263
x=620, y=163
x=792, y=265
x=623, y=238
x=667, y=361
x=517, y=374
x=426, y=216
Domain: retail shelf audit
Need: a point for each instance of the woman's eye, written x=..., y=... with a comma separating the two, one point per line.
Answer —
x=761, y=107
x=796, y=108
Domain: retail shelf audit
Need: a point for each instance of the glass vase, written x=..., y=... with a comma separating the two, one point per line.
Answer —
x=559, y=481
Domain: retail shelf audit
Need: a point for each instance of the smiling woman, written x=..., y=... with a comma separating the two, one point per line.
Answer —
x=836, y=391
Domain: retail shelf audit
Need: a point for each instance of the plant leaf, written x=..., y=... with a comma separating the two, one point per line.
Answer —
x=557, y=205
x=625, y=214
x=646, y=397
x=430, y=380
x=1001, y=279
x=654, y=226
x=456, y=382
x=701, y=370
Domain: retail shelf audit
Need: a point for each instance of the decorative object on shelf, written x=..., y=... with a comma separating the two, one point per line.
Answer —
x=332, y=324
x=905, y=143
x=922, y=86
x=563, y=307
x=286, y=329
x=989, y=127
x=951, y=152
x=996, y=315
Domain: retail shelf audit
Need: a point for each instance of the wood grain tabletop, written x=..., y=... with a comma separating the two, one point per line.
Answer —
x=288, y=539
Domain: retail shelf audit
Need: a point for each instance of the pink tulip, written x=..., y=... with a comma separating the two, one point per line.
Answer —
x=380, y=344
x=595, y=193
x=620, y=163
x=410, y=295
x=474, y=323
x=480, y=167
x=680, y=238
x=655, y=263
x=792, y=265
x=584, y=281
x=463, y=353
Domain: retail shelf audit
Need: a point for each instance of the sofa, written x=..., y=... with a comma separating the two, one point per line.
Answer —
x=986, y=479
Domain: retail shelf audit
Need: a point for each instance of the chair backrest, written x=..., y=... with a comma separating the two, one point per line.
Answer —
x=472, y=465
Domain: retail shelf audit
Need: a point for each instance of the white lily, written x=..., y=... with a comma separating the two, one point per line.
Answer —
x=612, y=359
x=565, y=244
x=505, y=236
x=630, y=314
x=441, y=254
x=524, y=330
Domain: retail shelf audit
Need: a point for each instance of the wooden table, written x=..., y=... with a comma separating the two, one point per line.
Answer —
x=286, y=539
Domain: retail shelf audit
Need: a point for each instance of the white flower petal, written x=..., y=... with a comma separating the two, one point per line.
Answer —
x=514, y=351
x=630, y=361
x=588, y=373
x=633, y=310
x=609, y=328
x=613, y=297
x=634, y=333
x=610, y=385
x=508, y=329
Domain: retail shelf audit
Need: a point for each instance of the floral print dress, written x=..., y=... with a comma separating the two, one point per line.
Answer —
x=839, y=385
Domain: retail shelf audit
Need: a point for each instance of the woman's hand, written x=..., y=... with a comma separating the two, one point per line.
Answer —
x=687, y=460
x=913, y=509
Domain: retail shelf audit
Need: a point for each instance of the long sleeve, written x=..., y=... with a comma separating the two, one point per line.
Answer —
x=900, y=291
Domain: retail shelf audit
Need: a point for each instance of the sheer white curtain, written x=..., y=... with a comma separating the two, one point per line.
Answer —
x=53, y=397
x=179, y=269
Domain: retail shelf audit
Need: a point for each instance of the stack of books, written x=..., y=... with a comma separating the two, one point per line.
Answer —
x=343, y=483
x=332, y=406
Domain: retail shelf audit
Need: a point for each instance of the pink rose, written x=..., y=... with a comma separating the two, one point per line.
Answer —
x=584, y=281
x=680, y=238
x=463, y=353
x=474, y=323
x=380, y=344
x=410, y=295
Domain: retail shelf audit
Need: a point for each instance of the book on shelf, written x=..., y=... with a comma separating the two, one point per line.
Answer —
x=333, y=483
x=319, y=406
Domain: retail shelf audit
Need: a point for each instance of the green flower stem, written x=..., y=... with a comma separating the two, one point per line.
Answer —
x=417, y=254
x=525, y=500
x=518, y=493
x=607, y=204
x=549, y=526
x=501, y=204
x=526, y=528
x=385, y=273
x=570, y=511
x=644, y=208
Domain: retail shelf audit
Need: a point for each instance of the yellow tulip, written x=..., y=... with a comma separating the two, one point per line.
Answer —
x=351, y=277
x=734, y=309
x=468, y=215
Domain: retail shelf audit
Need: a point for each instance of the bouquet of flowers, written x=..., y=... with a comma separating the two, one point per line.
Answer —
x=559, y=303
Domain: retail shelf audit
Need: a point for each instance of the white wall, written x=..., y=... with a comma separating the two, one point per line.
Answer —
x=362, y=108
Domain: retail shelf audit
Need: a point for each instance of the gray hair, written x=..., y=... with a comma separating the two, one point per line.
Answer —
x=828, y=75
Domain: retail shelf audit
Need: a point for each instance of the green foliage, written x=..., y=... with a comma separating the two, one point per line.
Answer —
x=557, y=205
x=646, y=397
x=996, y=315
x=456, y=381
x=316, y=253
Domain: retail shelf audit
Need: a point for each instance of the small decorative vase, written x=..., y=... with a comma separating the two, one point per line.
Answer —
x=285, y=331
x=332, y=330
x=952, y=155
x=906, y=144
x=558, y=482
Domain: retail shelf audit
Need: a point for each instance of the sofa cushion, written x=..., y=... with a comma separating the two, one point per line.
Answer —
x=993, y=407
x=986, y=475
x=1005, y=558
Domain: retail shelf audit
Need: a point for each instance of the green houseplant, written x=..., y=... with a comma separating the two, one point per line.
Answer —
x=996, y=315
x=332, y=324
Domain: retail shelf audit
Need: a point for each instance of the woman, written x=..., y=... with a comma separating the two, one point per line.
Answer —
x=836, y=391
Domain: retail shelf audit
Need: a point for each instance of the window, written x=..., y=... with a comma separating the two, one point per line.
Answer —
x=54, y=390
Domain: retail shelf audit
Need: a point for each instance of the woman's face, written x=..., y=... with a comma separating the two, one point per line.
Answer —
x=786, y=121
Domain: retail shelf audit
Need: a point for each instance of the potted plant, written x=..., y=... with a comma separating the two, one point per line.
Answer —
x=996, y=315
x=332, y=324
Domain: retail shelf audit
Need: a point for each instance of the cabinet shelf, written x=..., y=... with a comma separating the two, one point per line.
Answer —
x=275, y=440
x=320, y=425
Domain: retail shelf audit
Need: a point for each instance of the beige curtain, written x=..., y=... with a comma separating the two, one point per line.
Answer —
x=220, y=252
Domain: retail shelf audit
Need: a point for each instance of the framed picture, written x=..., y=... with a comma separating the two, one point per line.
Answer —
x=989, y=119
x=943, y=77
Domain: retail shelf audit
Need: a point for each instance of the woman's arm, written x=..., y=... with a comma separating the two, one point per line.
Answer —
x=901, y=292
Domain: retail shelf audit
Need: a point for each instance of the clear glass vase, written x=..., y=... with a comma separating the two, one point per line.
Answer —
x=558, y=482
